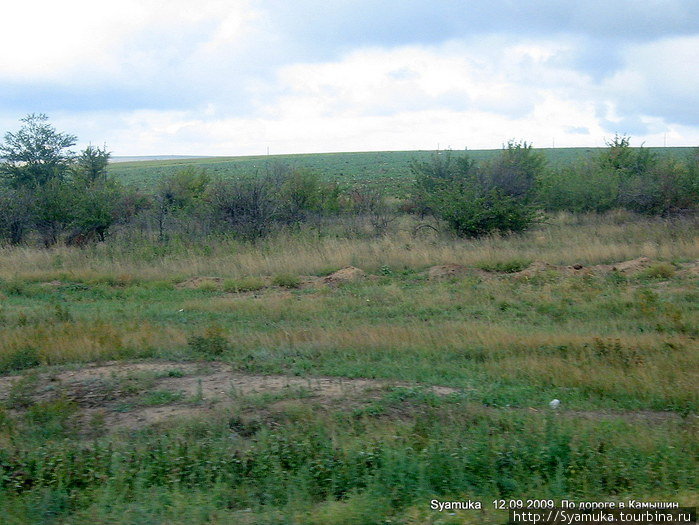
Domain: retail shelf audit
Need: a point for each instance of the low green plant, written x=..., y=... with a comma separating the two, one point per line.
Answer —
x=51, y=419
x=286, y=280
x=511, y=266
x=62, y=314
x=21, y=394
x=211, y=343
x=20, y=359
x=661, y=270
x=161, y=397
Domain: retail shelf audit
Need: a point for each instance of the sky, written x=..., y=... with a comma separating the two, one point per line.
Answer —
x=244, y=77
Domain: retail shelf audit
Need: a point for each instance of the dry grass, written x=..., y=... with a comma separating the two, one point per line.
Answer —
x=566, y=239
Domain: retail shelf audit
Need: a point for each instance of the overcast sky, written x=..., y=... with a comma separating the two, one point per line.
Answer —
x=212, y=77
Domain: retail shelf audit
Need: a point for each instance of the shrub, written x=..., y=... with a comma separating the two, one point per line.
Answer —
x=470, y=213
x=51, y=419
x=514, y=172
x=21, y=359
x=247, y=208
x=659, y=271
x=511, y=266
x=473, y=201
x=286, y=280
x=211, y=343
x=579, y=187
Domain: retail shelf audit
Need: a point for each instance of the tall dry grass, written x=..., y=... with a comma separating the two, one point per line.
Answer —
x=564, y=239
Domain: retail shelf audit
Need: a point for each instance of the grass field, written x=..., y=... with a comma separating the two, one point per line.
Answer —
x=389, y=169
x=238, y=383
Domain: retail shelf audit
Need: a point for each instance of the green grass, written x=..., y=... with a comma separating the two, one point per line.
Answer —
x=326, y=468
x=618, y=350
x=511, y=341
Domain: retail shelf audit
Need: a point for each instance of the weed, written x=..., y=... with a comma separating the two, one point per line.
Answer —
x=658, y=271
x=249, y=284
x=160, y=397
x=51, y=419
x=21, y=393
x=20, y=359
x=62, y=314
x=286, y=280
x=211, y=343
x=511, y=266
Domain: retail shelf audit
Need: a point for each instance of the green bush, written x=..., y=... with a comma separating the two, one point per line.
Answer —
x=211, y=343
x=579, y=187
x=21, y=359
x=511, y=266
x=659, y=271
x=286, y=280
x=470, y=213
x=51, y=419
x=474, y=201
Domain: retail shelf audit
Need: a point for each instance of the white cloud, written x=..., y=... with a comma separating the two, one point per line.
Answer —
x=227, y=77
x=69, y=41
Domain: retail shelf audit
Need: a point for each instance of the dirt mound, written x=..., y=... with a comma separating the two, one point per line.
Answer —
x=51, y=284
x=345, y=275
x=535, y=268
x=632, y=266
x=201, y=282
x=626, y=267
x=689, y=269
x=445, y=271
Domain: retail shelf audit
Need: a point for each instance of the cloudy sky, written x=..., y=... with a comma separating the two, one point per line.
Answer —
x=235, y=77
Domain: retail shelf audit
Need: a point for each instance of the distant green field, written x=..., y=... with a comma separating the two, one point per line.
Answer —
x=387, y=168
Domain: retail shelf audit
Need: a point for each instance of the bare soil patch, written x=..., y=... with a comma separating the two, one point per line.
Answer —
x=122, y=394
x=128, y=396
x=448, y=271
x=625, y=267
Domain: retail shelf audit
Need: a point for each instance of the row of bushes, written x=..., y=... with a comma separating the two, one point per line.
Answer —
x=49, y=193
x=507, y=192
x=622, y=177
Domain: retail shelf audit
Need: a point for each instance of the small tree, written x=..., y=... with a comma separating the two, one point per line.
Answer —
x=181, y=192
x=91, y=164
x=36, y=154
x=248, y=208
x=96, y=207
x=625, y=160
x=16, y=214
x=53, y=209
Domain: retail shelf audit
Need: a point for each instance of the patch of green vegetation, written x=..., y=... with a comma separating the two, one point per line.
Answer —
x=389, y=169
x=286, y=280
x=659, y=271
x=308, y=469
x=160, y=397
x=511, y=266
x=249, y=284
x=20, y=359
x=211, y=343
